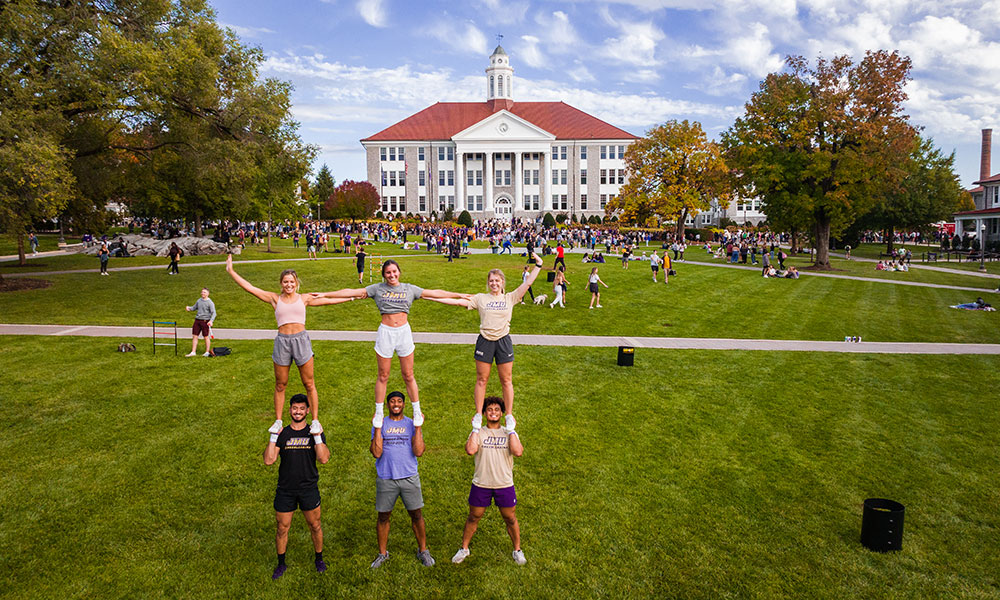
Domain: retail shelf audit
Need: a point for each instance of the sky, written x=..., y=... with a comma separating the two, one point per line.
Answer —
x=359, y=66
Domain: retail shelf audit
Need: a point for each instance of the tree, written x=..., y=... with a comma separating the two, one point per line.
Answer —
x=353, y=200
x=548, y=220
x=324, y=188
x=818, y=144
x=673, y=171
x=465, y=219
x=930, y=191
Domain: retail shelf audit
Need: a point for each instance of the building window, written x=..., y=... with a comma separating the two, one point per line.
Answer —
x=563, y=175
x=621, y=151
x=479, y=203
x=583, y=201
x=440, y=203
x=385, y=179
x=604, y=176
x=527, y=176
x=451, y=153
x=392, y=178
x=555, y=152
x=479, y=177
x=555, y=175
x=563, y=201
x=527, y=202
x=423, y=203
x=534, y=202
x=392, y=153
x=506, y=177
x=500, y=86
x=604, y=151
x=555, y=201
x=534, y=177
x=498, y=177
x=381, y=153
x=441, y=178
x=402, y=204
x=470, y=177
x=562, y=152
x=621, y=175
x=451, y=202
x=583, y=152
x=399, y=152
x=385, y=204
x=451, y=178
x=470, y=202
x=440, y=152
x=491, y=86
x=583, y=176
x=604, y=201
x=420, y=153
x=421, y=178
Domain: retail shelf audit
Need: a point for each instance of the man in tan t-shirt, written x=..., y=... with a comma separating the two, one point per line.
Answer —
x=494, y=449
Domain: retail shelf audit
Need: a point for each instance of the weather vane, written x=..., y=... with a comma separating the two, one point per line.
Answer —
x=499, y=38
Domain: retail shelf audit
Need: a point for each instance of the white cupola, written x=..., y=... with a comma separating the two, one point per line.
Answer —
x=499, y=77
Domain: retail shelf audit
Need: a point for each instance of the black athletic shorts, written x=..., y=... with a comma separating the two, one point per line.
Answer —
x=501, y=351
x=288, y=501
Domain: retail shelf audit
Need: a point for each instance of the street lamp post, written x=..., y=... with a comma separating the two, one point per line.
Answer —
x=982, y=246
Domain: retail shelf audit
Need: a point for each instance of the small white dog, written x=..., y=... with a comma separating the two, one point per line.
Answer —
x=540, y=299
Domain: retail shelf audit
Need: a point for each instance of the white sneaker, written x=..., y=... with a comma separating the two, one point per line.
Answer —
x=461, y=555
x=477, y=421
x=518, y=556
x=509, y=423
x=418, y=419
x=276, y=427
x=599, y=306
x=207, y=354
x=377, y=421
x=190, y=354
x=315, y=428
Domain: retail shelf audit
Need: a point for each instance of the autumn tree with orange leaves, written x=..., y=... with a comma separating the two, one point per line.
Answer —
x=820, y=144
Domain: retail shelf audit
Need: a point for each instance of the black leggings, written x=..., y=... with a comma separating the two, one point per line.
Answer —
x=104, y=266
x=532, y=294
x=173, y=267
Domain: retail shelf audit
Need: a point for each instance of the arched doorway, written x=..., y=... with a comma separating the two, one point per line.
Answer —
x=503, y=208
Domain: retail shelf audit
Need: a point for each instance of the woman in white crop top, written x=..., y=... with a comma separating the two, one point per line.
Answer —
x=292, y=341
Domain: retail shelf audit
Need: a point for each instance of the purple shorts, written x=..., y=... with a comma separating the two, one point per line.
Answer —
x=483, y=497
x=200, y=326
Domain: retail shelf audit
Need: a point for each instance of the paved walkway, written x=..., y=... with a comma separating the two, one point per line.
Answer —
x=469, y=339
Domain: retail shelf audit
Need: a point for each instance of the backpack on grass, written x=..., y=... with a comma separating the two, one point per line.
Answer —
x=221, y=351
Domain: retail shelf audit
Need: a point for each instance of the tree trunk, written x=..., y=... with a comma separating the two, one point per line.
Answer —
x=21, y=258
x=795, y=242
x=269, y=204
x=823, y=244
x=679, y=230
x=197, y=225
x=889, y=234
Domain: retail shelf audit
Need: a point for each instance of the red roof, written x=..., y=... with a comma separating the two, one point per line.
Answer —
x=989, y=179
x=443, y=120
x=987, y=211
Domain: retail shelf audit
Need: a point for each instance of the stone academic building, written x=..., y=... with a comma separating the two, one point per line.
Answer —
x=498, y=159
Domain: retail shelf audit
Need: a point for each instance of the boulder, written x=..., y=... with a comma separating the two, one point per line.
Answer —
x=144, y=245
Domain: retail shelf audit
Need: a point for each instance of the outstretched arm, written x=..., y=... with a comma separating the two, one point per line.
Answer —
x=438, y=294
x=453, y=301
x=349, y=293
x=269, y=297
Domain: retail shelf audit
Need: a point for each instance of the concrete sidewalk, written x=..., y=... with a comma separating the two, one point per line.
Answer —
x=469, y=339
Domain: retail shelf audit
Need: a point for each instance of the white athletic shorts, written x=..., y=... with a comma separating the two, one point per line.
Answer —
x=394, y=339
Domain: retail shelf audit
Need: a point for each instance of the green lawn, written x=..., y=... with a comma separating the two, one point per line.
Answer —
x=691, y=475
x=702, y=301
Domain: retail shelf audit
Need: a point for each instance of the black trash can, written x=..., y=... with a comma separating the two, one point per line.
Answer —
x=626, y=354
x=551, y=276
x=882, y=525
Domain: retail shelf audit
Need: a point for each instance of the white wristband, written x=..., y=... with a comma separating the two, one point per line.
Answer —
x=274, y=438
x=318, y=438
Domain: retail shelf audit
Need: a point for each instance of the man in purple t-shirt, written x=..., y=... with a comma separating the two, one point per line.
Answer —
x=396, y=446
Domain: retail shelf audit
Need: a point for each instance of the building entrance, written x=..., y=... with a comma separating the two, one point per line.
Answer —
x=503, y=208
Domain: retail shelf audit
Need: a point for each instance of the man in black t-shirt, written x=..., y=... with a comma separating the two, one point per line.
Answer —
x=298, y=479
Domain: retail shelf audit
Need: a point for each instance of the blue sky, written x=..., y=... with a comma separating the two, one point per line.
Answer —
x=359, y=66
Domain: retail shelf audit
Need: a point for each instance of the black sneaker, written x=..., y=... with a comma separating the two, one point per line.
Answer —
x=279, y=571
x=320, y=565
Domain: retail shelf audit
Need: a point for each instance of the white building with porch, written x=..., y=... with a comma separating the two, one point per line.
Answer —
x=983, y=222
x=498, y=159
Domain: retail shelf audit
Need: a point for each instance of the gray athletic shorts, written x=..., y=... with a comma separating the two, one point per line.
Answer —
x=289, y=347
x=388, y=490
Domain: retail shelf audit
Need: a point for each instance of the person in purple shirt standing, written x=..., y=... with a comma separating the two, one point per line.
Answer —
x=396, y=446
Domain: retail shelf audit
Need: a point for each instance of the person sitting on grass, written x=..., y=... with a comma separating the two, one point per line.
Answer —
x=792, y=273
x=880, y=266
x=770, y=271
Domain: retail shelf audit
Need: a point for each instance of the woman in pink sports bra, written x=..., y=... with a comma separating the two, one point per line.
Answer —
x=292, y=341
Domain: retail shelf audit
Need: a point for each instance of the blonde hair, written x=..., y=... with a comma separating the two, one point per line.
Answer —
x=298, y=282
x=502, y=278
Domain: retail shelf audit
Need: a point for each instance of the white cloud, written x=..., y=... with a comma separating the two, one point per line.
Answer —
x=719, y=83
x=560, y=34
x=373, y=12
x=636, y=45
x=530, y=53
x=504, y=12
x=245, y=31
x=580, y=73
x=463, y=37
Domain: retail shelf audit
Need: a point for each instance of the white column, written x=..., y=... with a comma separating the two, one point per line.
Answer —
x=488, y=168
x=547, y=179
x=459, y=182
x=517, y=165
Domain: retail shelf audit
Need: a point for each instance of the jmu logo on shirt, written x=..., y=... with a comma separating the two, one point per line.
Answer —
x=394, y=296
x=495, y=442
x=297, y=442
x=394, y=430
x=496, y=305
